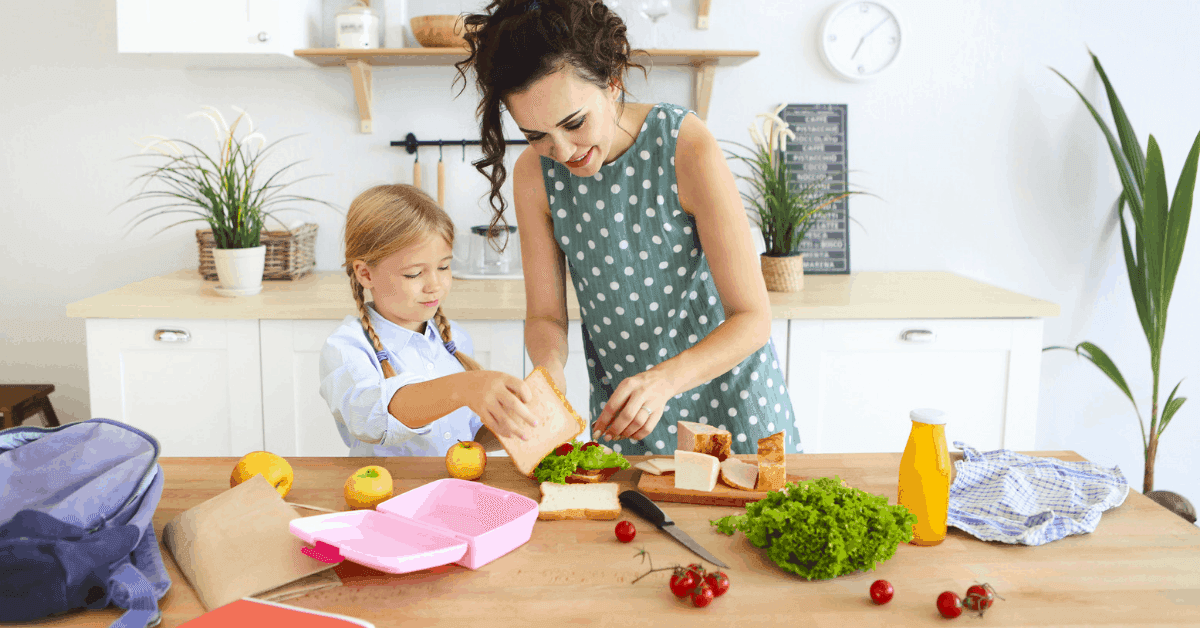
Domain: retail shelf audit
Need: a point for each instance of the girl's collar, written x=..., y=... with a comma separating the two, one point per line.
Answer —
x=394, y=335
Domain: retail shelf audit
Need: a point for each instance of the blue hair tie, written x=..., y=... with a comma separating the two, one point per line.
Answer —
x=382, y=355
x=450, y=345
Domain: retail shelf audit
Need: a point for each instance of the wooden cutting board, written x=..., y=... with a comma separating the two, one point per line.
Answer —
x=661, y=488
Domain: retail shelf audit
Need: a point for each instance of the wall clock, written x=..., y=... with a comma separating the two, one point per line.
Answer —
x=860, y=39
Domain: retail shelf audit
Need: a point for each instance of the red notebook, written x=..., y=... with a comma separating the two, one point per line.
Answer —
x=252, y=613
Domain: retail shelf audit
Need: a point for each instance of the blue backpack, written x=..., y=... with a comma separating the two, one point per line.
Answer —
x=76, y=522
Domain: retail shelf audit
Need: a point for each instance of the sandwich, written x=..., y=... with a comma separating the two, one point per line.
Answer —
x=579, y=463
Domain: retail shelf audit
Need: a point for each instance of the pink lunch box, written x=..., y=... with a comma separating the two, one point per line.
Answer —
x=442, y=522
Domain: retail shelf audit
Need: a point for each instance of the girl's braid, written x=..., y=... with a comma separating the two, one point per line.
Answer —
x=443, y=325
x=365, y=318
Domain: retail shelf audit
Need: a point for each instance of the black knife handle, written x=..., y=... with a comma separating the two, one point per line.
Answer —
x=642, y=505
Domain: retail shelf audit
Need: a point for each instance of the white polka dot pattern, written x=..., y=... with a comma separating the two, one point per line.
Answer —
x=628, y=238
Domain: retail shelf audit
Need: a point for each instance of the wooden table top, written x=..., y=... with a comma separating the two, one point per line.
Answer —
x=1139, y=568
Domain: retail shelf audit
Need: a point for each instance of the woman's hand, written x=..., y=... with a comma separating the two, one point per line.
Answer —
x=499, y=399
x=635, y=406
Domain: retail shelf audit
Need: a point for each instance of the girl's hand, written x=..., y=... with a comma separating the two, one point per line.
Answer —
x=635, y=406
x=499, y=399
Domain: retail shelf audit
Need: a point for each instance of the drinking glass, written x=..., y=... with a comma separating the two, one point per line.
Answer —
x=654, y=10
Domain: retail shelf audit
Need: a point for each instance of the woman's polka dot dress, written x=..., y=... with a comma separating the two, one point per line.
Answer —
x=646, y=294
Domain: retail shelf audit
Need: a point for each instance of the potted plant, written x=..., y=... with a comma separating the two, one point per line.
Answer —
x=1152, y=257
x=784, y=210
x=233, y=190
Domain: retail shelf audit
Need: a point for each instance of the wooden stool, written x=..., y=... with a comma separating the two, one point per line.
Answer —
x=19, y=401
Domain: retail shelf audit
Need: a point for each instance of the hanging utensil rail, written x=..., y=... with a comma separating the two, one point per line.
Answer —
x=410, y=143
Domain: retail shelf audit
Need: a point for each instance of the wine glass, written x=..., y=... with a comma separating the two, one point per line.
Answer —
x=654, y=10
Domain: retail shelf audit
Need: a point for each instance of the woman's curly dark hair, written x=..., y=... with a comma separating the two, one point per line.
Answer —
x=513, y=43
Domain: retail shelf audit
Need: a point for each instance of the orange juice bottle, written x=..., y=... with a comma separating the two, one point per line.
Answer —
x=925, y=476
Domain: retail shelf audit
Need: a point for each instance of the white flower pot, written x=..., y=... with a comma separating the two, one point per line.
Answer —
x=240, y=271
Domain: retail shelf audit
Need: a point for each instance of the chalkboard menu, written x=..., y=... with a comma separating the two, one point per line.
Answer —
x=819, y=154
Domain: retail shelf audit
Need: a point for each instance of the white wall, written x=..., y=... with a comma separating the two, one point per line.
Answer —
x=987, y=164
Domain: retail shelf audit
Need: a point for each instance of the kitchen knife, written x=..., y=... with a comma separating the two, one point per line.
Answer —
x=650, y=511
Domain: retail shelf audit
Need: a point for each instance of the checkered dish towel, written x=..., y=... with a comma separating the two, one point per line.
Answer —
x=1013, y=498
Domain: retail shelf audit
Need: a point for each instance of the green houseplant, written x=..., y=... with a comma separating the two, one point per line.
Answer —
x=1153, y=248
x=783, y=210
x=234, y=190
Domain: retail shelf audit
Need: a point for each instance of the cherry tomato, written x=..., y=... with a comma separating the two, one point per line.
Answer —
x=882, y=591
x=702, y=595
x=682, y=583
x=625, y=531
x=979, y=597
x=588, y=444
x=949, y=605
x=564, y=449
x=697, y=568
x=718, y=582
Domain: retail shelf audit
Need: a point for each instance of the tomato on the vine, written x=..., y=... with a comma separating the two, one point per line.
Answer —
x=949, y=605
x=682, y=582
x=625, y=531
x=697, y=568
x=882, y=591
x=702, y=595
x=980, y=597
x=718, y=582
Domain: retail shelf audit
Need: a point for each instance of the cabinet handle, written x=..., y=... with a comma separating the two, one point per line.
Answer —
x=917, y=335
x=264, y=37
x=172, y=335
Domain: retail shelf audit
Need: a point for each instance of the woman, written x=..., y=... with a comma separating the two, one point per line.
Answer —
x=638, y=203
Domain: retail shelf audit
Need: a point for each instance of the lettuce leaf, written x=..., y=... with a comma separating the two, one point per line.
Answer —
x=556, y=468
x=819, y=529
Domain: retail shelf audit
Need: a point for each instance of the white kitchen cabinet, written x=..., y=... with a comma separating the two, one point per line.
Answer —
x=195, y=385
x=853, y=382
x=296, y=419
x=218, y=26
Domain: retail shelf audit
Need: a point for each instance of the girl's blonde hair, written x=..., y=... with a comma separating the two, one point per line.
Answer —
x=381, y=221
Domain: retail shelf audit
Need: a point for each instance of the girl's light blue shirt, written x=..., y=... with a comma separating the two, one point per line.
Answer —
x=353, y=385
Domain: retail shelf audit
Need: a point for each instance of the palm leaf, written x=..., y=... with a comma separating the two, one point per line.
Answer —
x=1129, y=142
x=1170, y=408
x=1137, y=277
x=1177, y=223
x=1106, y=365
x=1154, y=224
x=1124, y=170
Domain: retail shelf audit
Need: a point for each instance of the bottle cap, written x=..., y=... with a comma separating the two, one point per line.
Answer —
x=928, y=415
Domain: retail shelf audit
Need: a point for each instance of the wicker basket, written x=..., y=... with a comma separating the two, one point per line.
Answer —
x=289, y=253
x=783, y=274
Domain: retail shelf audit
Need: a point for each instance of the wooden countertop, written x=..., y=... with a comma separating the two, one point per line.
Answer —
x=326, y=295
x=1137, y=569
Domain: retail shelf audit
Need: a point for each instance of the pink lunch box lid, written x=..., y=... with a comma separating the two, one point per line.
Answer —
x=444, y=521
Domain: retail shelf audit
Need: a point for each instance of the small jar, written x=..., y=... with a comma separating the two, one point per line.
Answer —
x=358, y=27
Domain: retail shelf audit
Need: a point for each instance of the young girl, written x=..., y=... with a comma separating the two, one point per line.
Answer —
x=398, y=377
x=638, y=204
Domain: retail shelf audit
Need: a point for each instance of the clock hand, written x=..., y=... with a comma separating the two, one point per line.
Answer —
x=868, y=34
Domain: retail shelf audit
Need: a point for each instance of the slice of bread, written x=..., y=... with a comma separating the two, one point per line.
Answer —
x=704, y=439
x=772, y=465
x=557, y=423
x=579, y=501
x=738, y=474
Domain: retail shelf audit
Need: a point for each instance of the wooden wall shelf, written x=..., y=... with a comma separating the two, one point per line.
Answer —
x=360, y=62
